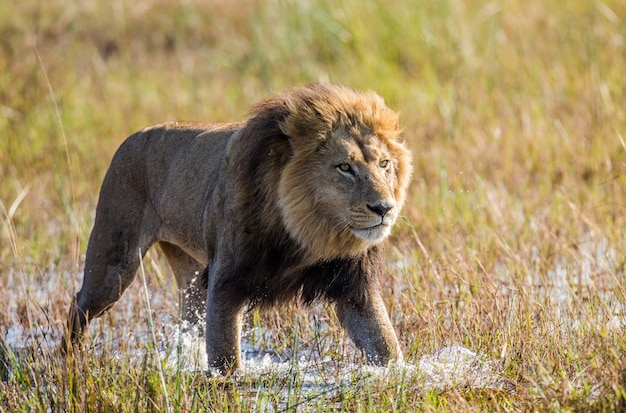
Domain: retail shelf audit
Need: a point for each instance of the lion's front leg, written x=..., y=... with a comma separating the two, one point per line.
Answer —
x=223, y=327
x=368, y=325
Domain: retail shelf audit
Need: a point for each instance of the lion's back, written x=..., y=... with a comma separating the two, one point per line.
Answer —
x=173, y=167
x=172, y=153
x=182, y=144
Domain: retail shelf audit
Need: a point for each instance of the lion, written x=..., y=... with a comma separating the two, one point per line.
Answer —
x=292, y=204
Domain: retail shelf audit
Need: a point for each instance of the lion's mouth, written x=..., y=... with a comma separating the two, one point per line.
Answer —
x=374, y=233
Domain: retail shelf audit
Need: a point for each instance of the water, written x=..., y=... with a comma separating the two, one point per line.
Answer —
x=33, y=308
x=450, y=367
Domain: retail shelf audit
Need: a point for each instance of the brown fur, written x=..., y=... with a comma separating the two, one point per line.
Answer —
x=265, y=208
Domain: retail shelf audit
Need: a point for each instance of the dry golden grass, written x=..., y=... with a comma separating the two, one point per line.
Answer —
x=512, y=243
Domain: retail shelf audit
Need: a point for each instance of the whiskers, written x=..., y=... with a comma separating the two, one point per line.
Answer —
x=342, y=226
x=404, y=221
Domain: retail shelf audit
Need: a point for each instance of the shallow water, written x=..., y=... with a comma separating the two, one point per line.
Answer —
x=316, y=374
x=31, y=317
x=452, y=366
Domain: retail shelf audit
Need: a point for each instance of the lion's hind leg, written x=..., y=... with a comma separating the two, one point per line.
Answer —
x=110, y=266
x=190, y=283
x=121, y=235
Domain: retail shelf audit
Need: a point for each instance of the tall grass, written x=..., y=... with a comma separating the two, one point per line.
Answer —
x=512, y=243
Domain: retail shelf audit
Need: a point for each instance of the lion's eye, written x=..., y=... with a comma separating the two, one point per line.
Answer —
x=384, y=163
x=345, y=168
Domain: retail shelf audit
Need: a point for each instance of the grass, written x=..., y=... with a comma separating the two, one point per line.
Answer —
x=512, y=243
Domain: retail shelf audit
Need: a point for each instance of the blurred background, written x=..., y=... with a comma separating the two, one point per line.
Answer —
x=522, y=95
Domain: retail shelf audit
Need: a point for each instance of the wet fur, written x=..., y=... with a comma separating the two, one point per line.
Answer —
x=241, y=204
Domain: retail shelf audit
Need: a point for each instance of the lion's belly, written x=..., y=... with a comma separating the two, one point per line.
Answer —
x=191, y=247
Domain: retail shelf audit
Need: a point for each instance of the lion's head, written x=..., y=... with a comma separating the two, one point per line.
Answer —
x=346, y=181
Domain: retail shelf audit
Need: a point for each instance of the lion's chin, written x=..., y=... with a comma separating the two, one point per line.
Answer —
x=374, y=234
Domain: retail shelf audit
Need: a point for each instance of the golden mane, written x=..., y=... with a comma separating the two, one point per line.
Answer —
x=308, y=117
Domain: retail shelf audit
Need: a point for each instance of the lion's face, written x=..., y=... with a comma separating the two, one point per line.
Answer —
x=357, y=184
x=345, y=195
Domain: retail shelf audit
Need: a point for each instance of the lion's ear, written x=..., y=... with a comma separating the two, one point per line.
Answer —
x=303, y=120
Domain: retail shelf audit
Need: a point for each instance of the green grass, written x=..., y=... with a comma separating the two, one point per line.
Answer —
x=512, y=243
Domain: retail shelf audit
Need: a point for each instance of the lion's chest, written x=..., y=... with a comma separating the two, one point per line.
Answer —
x=278, y=277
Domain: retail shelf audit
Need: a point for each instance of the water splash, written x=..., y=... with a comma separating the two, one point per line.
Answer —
x=457, y=366
x=450, y=367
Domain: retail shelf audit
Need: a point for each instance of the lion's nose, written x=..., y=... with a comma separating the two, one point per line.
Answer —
x=381, y=209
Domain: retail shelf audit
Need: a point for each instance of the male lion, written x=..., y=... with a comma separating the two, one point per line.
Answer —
x=292, y=203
